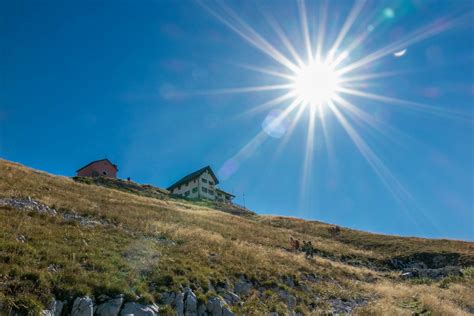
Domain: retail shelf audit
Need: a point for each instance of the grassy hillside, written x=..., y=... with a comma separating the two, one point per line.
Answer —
x=105, y=241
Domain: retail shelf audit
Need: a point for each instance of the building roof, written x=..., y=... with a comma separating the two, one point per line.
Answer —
x=90, y=163
x=227, y=193
x=193, y=175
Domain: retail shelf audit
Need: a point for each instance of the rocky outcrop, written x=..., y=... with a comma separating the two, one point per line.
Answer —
x=110, y=307
x=136, y=309
x=54, y=309
x=435, y=274
x=82, y=306
x=190, y=303
x=243, y=286
x=28, y=204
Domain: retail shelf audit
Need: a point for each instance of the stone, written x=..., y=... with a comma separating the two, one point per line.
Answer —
x=168, y=298
x=214, y=306
x=230, y=297
x=190, y=305
x=201, y=311
x=290, y=299
x=243, y=286
x=137, y=309
x=178, y=304
x=54, y=309
x=110, y=307
x=82, y=306
x=227, y=312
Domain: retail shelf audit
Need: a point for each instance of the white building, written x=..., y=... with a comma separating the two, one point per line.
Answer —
x=201, y=184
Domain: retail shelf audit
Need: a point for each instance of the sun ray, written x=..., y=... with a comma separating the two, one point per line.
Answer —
x=250, y=35
x=284, y=39
x=269, y=104
x=416, y=36
x=368, y=76
x=384, y=129
x=267, y=71
x=308, y=154
x=412, y=105
x=356, y=9
x=321, y=32
x=393, y=185
x=305, y=29
x=294, y=122
x=244, y=89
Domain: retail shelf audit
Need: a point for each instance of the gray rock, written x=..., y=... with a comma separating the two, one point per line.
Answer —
x=168, y=298
x=273, y=314
x=190, y=305
x=28, y=204
x=288, y=280
x=178, y=304
x=243, y=286
x=290, y=299
x=227, y=312
x=54, y=309
x=82, y=306
x=137, y=309
x=346, y=307
x=215, y=305
x=201, y=311
x=230, y=297
x=110, y=308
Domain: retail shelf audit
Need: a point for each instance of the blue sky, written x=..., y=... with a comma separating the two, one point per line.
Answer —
x=138, y=82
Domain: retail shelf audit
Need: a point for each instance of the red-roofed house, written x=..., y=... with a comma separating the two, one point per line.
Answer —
x=98, y=168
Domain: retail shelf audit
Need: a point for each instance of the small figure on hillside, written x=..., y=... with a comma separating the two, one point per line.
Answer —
x=334, y=230
x=308, y=249
x=128, y=179
x=294, y=244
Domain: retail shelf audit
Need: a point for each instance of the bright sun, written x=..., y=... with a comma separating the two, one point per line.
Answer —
x=315, y=84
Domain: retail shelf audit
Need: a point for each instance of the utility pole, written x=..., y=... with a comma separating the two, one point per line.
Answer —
x=243, y=198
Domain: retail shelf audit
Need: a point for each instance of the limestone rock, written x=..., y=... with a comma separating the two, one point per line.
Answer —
x=243, y=286
x=216, y=306
x=54, y=309
x=201, y=311
x=190, y=303
x=168, y=298
x=82, y=306
x=110, y=308
x=137, y=309
x=179, y=304
x=230, y=297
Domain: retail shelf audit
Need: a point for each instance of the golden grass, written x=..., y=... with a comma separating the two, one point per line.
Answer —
x=209, y=247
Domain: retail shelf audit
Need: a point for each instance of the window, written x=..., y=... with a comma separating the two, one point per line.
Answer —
x=186, y=193
x=211, y=183
x=195, y=190
x=227, y=197
x=204, y=180
x=179, y=187
x=104, y=173
x=204, y=189
x=211, y=192
x=219, y=195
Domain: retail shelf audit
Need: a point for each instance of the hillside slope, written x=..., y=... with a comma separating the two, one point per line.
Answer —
x=87, y=247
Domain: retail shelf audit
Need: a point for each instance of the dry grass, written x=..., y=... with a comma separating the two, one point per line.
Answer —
x=209, y=247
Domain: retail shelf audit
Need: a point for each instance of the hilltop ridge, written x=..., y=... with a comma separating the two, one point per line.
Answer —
x=100, y=248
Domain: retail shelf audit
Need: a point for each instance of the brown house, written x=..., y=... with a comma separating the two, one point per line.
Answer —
x=98, y=168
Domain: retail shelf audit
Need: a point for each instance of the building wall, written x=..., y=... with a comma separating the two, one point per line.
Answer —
x=200, y=187
x=99, y=168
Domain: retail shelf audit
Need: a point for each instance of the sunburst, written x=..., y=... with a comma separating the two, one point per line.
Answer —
x=316, y=80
